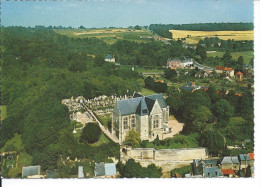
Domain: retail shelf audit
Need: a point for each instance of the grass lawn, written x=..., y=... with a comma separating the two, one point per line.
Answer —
x=102, y=139
x=177, y=142
x=247, y=55
x=24, y=159
x=3, y=112
x=145, y=91
x=105, y=119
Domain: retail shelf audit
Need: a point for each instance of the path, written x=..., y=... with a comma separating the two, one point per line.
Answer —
x=104, y=130
x=176, y=128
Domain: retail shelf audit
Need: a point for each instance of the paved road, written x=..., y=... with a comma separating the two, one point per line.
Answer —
x=104, y=130
x=196, y=64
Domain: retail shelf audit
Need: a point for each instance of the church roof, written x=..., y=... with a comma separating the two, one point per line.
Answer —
x=140, y=104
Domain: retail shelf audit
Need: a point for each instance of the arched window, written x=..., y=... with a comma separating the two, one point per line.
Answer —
x=156, y=122
x=125, y=122
x=133, y=121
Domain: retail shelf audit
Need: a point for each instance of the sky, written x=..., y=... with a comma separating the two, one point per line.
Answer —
x=123, y=13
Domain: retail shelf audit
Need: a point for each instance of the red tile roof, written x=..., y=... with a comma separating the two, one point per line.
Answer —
x=224, y=68
x=239, y=73
x=227, y=171
x=251, y=156
x=161, y=81
x=238, y=94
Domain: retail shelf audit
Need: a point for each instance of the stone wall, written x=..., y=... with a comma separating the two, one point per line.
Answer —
x=167, y=159
x=167, y=154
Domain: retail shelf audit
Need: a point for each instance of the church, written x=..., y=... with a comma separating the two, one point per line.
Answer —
x=148, y=115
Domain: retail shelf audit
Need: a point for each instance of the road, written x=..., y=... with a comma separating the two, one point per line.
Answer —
x=196, y=64
x=104, y=130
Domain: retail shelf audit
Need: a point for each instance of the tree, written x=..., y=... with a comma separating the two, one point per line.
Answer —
x=90, y=133
x=133, y=138
x=137, y=27
x=200, y=117
x=149, y=82
x=227, y=58
x=223, y=110
x=213, y=140
x=240, y=63
x=132, y=169
x=212, y=92
x=201, y=51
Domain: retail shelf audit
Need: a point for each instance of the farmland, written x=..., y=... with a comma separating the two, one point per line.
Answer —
x=109, y=36
x=195, y=36
x=247, y=55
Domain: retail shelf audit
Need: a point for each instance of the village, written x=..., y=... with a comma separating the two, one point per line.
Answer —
x=149, y=115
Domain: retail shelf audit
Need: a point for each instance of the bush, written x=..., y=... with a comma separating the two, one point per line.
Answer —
x=181, y=171
x=90, y=133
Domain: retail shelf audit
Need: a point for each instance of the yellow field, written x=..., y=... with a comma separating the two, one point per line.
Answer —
x=195, y=36
x=105, y=31
x=109, y=36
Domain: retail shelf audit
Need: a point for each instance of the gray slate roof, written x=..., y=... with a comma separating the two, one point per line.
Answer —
x=211, y=162
x=110, y=169
x=213, y=172
x=105, y=169
x=140, y=104
x=108, y=56
x=31, y=170
x=99, y=169
x=244, y=157
x=80, y=172
x=230, y=160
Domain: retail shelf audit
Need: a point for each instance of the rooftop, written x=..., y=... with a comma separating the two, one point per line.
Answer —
x=251, y=156
x=110, y=169
x=212, y=172
x=227, y=171
x=31, y=170
x=230, y=160
x=224, y=68
x=140, y=104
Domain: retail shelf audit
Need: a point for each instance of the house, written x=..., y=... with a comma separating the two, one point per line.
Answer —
x=148, y=115
x=239, y=75
x=105, y=170
x=110, y=58
x=80, y=172
x=32, y=172
x=190, y=87
x=161, y=81
x=198, y=165
x=228, y=71
x=228, y=172
x=188, y=62
x=210, y=172
x=244, y=160
x=246, y=165
x=173, y=63
x=230, y=162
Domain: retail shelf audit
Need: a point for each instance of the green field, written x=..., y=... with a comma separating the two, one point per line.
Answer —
x=105, y=119
x=145, y=91
x=3, y=112
x=109, y=36
x=247, y=55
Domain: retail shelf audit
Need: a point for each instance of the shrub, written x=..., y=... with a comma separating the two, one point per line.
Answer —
x=90, y=133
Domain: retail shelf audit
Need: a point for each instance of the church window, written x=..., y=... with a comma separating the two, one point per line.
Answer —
x=156, y=122
x=133, y=121
x=125, y=122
